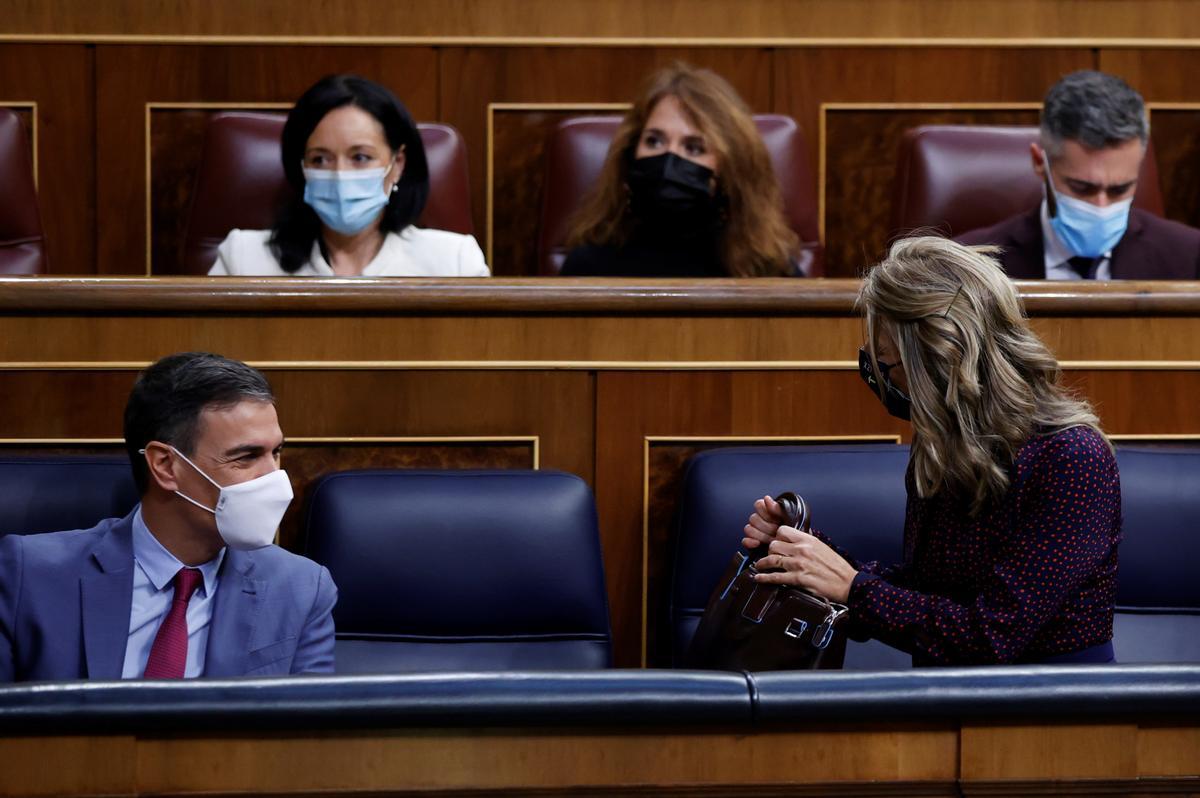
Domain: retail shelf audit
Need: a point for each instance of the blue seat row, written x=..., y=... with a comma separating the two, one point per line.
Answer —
x=857, y=497
x=501, y=570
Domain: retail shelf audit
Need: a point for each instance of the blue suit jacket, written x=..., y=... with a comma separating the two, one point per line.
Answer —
x=65, y=600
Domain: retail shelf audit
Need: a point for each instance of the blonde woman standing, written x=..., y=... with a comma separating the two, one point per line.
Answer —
x=1014, y=501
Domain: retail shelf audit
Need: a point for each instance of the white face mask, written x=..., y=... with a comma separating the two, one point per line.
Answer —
x=248, y=513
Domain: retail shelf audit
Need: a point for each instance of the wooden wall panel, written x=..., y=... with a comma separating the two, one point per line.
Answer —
x=1165, y=79
x=861, y=148
x=1176, y=135
x=129, y=77
x=471, y=78
x=176, y=146
x=806, y=78
x=1161, y=75
x=59, y=79
x=669, y=19
x=520, y=139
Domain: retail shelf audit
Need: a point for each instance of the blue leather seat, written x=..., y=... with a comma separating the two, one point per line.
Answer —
x=1158, y=592
x=54, y=493
x=462, y=570
x=857, y=496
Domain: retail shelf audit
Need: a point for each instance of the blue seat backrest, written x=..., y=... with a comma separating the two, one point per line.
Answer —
x=1158, y=589
x=54, y=493
x=462, y=570
x=856, y=492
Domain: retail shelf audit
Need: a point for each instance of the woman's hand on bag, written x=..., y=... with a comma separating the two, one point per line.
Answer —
x=764, y=523
x=805, y=562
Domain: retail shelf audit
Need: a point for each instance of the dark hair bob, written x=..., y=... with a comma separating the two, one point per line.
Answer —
x=297, y=225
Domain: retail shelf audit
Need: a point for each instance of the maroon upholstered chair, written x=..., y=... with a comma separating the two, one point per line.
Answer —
x=576, y=155
x=22, y=245
x=956, y=178
x=241, y=184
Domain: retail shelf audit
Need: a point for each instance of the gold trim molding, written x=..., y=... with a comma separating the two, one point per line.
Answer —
x=923, y=42
x=567, y=365
x=534, y=441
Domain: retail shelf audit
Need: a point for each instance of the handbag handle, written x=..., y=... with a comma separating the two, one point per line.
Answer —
x=796, y=515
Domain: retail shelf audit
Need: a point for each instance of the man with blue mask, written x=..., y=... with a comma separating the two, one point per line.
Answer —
x=189, y=583
x=1094, y=134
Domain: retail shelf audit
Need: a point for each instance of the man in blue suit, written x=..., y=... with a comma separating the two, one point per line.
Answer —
x=189, y=583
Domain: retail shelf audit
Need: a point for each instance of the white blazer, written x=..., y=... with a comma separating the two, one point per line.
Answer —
x=412, y=253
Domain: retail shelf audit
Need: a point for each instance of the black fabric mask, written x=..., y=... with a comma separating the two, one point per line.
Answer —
x=673, y=196
x=895, y=401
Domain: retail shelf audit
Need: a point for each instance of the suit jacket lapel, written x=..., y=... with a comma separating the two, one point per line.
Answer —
x=1026, y=259
x=235, y=614
x=106, y=596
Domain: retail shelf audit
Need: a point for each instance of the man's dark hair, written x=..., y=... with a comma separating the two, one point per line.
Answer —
x=1096, y=109
x=167, y=399
x=297, y=226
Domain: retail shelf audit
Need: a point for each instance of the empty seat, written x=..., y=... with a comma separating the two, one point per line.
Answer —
x=22, y=245
x=857, y=497
x=54, y=493
x=575, y=157
x=241, y=184
x=957, y=178
x=1158, y=594
x=461, y=570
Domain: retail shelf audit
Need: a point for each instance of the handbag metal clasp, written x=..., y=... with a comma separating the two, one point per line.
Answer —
x=824, y=633
x=796, y=627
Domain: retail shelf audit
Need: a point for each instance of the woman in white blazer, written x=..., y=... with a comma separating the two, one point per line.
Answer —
x=353, y=153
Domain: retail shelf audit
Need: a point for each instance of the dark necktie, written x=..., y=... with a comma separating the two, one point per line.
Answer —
x=168, y=655
x=1085, y=267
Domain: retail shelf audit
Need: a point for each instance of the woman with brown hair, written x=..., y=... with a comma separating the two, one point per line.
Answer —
x=1014, y=501
x=687, y=189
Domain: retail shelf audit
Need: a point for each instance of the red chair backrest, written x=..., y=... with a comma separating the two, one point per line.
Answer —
x=22, y=244
x=956, y=178
x=575, y=157
x=241, y=184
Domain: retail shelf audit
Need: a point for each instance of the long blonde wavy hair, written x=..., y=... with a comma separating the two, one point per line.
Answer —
x=981, y=382
x=756, y=240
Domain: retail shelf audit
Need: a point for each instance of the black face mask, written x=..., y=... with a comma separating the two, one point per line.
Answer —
x=895, y=401
x=672, y=196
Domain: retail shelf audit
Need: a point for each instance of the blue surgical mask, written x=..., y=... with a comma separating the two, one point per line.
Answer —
x=346, y=201
x=1085, y=229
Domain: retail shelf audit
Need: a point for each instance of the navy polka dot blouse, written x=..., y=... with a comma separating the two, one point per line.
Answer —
x=1033, y=576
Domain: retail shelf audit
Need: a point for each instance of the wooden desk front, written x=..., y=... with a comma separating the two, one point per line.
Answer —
x=619, y=381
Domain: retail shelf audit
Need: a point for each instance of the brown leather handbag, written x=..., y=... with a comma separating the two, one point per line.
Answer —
x=748, y=626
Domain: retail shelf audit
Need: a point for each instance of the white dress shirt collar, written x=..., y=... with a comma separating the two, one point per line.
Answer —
x=160, y=565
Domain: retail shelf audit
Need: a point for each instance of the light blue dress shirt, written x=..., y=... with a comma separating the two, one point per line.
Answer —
x=154, y=568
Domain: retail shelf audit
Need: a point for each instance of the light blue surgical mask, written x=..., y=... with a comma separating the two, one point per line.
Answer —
x=346, y=201
x=1085, y=229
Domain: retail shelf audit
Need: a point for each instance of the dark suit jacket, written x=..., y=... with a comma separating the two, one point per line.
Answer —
x=65, y=600
x=1152, y=248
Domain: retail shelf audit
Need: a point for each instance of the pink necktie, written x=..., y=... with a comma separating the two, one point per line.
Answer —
x=168, y=655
